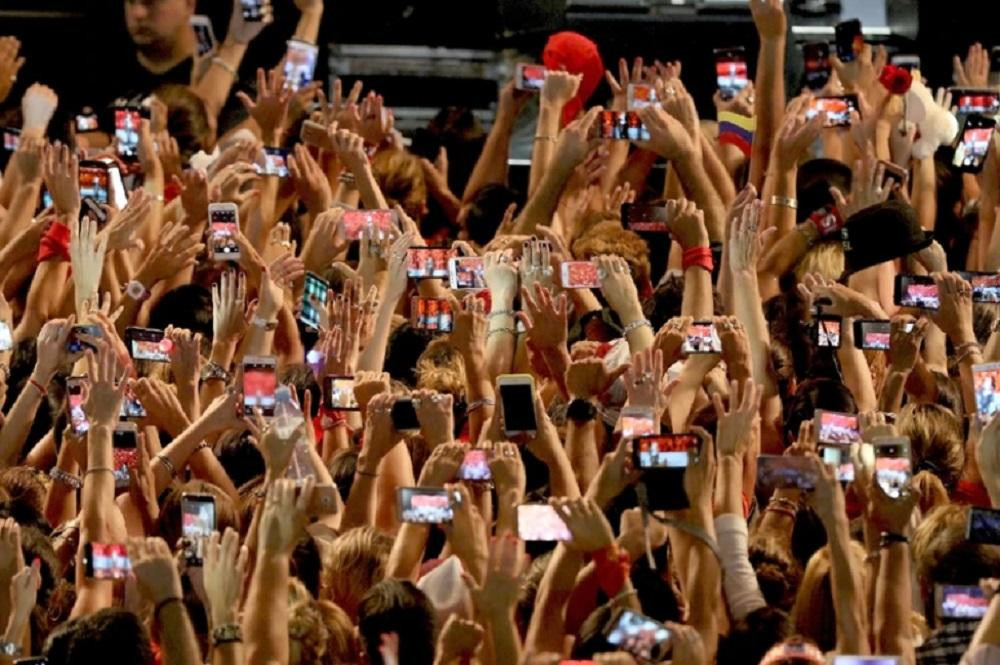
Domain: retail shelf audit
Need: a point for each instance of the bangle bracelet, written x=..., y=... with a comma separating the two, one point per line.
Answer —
x=227, y=634
x=635, y=325
x=39, y=387
x=167, y=463
x=501, y=312
x=225, y=65
x=370, y=474
x=163, y=603
x=478, y=404
x=68, y=479
x=785, y=202
x=203, y=445
x=501, y=330
x=98, y=469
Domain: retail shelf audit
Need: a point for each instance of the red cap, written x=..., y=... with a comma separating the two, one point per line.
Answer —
x=577, y=55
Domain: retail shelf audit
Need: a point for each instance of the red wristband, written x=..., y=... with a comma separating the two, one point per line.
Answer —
x=611, y=566
x=697, y=256
x=827, y=220
x=332, y=418
x=39, y=387
x=54, y=243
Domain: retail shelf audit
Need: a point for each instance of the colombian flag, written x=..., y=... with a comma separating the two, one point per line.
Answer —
x=737, y=130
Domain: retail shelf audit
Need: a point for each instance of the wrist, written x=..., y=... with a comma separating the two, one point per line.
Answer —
x=42, y=375
x=224, y=616
x=367, y=465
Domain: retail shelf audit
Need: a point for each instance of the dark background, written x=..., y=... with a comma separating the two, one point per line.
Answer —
x=75, y=45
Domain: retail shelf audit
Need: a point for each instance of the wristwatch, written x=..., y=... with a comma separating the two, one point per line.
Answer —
x=10, y=649
x=231, y=632
x=581, y=410
x=260, y=322
x=136, y=291
x=212, y=371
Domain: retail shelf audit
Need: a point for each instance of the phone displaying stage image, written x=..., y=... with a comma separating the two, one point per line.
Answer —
x=475, y=466
x=621, y=126
x=983, y=526
x=428, y=262
x=731, y=71
x=893, y=468
x=701, y=337
x=974, y=143
x=353, y=221
x=6, y=340
x=259, y=384
x=839, y=458
x=124, y=441
x=816, y=58
x=314, y=295
x=644, y=218
x=431, y=314
x=641, y=95
x=579, y=275
x=960, y=601
x=986, y=386
x=106, y=561
x=638, y=635
x=466, y=273
x=872, y=334
x=148, y=344
x=197, y=524
x=338, y=393
x=529, y=77
x=95, y=182
x=638, y=421
x=540, y=522
x=665, y=451
x=422, y=505
x=300, y=63
x=275, y=162
x=837, y=428
x=203, y=32
x=917, y=291
x=827, y=329
x=76, y=397
x=836, y=109
x=780, y=472
x=127, y=123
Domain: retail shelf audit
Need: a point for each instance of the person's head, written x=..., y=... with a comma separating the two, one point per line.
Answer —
x=406, y=344
x=401, y=179
x=342, y=645
x=936, y=440
x=169, y=521
x=307, y=563
x=824, y=258
x=943, y=555
x=778, y=574
x=397, y=606
x=665, y=302
x=188, y=307
x=609, y=237
x=26, y=488
x=240, y=457
x=481, y=215
x=342, y=468
x=813, y=614
x=188, y=121
x=823, y=393
x=307, y=633
x=813, y=181
x=156, y=26
x=111, y=636
x=751, y=636
x=354, y=562
x=442, y=369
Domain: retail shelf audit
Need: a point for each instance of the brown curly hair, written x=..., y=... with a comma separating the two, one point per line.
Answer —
x=401, y=180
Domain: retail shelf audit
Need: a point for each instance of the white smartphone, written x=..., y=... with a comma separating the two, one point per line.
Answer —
x=224, y=220
x=300, y=63
x=579, y=275
x=202, y=27
x=517, y=395
x=529, y=77
x=466, y=273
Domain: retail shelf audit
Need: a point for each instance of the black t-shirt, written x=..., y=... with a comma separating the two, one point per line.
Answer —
x=133, y=80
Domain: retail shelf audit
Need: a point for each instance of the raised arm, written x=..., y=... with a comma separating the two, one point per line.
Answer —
x=559, y=88
x=769, y=17
x=215, y=84
x=491, y=167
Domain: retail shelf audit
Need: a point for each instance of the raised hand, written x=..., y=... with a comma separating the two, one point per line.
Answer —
x=667, y=135
x=735, y=424
x=434, y=412
x=868, y=187
x=243, y=31
x=586, y=522
x=185, y=355
x=442, y=466
x=380, y=435
x=686, y=223
x=887, y=513
x=324, y=244
x=376, y=120
x=507, y=469
x=904, y=346
x=367, y=385
x=468, y=333
x=177, y=249
x=37, y=106
x=61, y=170
x=154, y=569
x=795, y=136
x=619, y=87
x=589, y=377
x=459, y=640
x=161, y=404
x=224, y=567
x=574, y=143
x=699, y=477
x=559, y=87
x=670, y=338
x=229, y=301
x=10, y=64
x=107, y=384
x=122, y=227
x=545, y=318
x=275, y=279
x=954, y=315
x=270, y=108
x=497, y=596
x=975, y=71
x=311, y=183
x=86, y=252
x=284, y=516
x=643, y=380
x=769, y=17
x=618, y=286
x=735, y=346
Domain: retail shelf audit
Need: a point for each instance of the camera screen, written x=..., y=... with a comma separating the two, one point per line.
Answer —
x=828, y=333
x=665, y=452
x=532, y=77
x=541, y=522
x=962, y=602
x=637, y=634
x=970, y=153
x=985, y=288
x=108, y=562
x=876, y=335
x=340, y=393
x=645, y=218
x=428, y=262
x=731, y=73
x=701, y=338
x=986, y=384
x=922, y=296
x=580, y=275
x=94, y=183
x=313, y=296
x=424, y=506
x=839, y=458
x=891, y=473
x=275, y=162
x=779, y=472
x=475, y=466
x=300, y=64
x=353, y=221
x=518, y=407
x=259, y=384
x=837, y=110
x=622, y=125
x=839, y=428
x=127, y=121
x=985, y=102
x=149, y=344
x=431, y=314
x=467, y=273
x=197, y=524
x=984, y=526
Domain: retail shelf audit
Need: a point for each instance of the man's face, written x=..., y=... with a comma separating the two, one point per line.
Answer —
x=156, y=22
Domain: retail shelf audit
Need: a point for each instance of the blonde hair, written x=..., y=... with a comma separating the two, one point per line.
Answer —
x=342, y=645
x=824, y=258
x=401, y=180
x=935, y=435
x=441, y=368
x=941, y=552
x=307, y=632
x=813, y=612
x=353, y=564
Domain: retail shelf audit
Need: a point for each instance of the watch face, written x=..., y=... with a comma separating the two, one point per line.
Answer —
x=136, y=290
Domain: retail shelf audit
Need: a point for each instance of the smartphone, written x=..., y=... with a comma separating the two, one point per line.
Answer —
x=466, y=273
x=701, y=337
x=314, y=134
x=253, y=10
x=872, y=334
x=665, y=451
x=826, y=331
x=967, y=101
x=35, y=660
x=621, y=125
x=866, y=660
x=428, y=262
x=202, y=26
x=260, y=381
x=892, y=464
x=124, y=441
x=275, y=162
x=731, y=70
x=76, y=345
x=850, y=41
x=837, y=428
x=148, y=344
x=197, y=524
x=541, y=522
x=225, y=222
x=985, y=285
x=6, y=340
x=894, y=172
x=638, y=421
x=644, y=218
x=475, y=467
x=517, y=398
x=119, y=198
x=313, y=297
x=986, y=384
x=338, y=393
x=105, y=561
x=127, y=121
x=917, y=291
x=639, y=635
x=431, y=314
x=641, y=95
x=960, y=601
x=973, y=143
x=11, y=138
x=76, y=397
x=353, y=221
x=779, y=472
x=404, y=415
x=300, y=63
x=579, y=275
x=983, y=526
x=423, y=505
x=817, y=65
x=908, y=61
x=529, y=77
x=95, y=181
x=132, y=408
x=90, y=208
x=87, y=121
x=837, y=109
x=839, y=457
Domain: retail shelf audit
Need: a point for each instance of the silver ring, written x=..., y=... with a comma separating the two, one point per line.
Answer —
x=647, y=376
x=601, y=273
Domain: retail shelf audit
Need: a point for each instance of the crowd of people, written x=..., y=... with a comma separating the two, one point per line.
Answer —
x=224, y=498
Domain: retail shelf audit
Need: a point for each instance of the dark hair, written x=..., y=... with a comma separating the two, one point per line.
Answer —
x=813, y=394
x=484, y=212
x=188, y=306
x=778, y=574
x=111, y=636
x=751, y=636
x=169, y=522
x=342, y=468
x=813, y=182
x=398, y=606
x=240, y=458
x=187, y=119
x=405, y=347
x=306, y=563
x=665, y=303
x=301, y=377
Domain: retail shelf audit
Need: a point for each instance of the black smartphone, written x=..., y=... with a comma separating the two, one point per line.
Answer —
x=424, y=505
x=404, y=415
x=817, y=64
x=106, y=561
x=918, y=291
x=11, y=138
x=644, y=218
x=872, y=334
x=973, y=143
x=127, y=121
x=76, y=397
x=701, y=337
x=428, y=262
x=960, y=601
x=260, y=382
x=893, y=467
x=197, y=524
x=431, y=314
x=148, y=344
x=836, y=109
x=338, y=393
x=833, y=427
x=849, y=40
x=313, y=297
x=780, y=472
x=983, y=526
x=826, y=331
x=731, y=70
x=124, y=444
x=839, y=458
x=985, y=285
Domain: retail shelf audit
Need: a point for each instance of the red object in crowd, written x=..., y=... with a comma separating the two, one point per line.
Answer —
x=897, y=80
x=577, y=55
x=54, y=243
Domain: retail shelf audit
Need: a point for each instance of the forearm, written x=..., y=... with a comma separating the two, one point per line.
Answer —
x=891, y=398
x=373, y=357
x=368, y=189
x=265, y=622
x=852, y=631
x=857, y=376
x=44, y=296
x=307, y=28
x=407, y=552
x=893, y=602
x=780, y=183
x=478, y=388
x=261, y=217
x=747, y=308
x=504, y=638
x=548, y=621
x=178, y=452
x=702, y=585
x=925, y=193
x=543, y=145
x=501, y=338
x=696, y=183
x=214, y=86
x=721, y=181
x=176, y=636
x=491, y=167
x=20, y=212
x=581, y=449
x=542, y=203
x=18, y=421
x=769, y=104
x=60, y=499
x=697, y=299
x=359, y=509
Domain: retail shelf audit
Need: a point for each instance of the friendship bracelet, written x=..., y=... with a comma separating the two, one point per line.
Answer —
x=167, y=463
x=98, y=469
x=700, y=257
x=785, y=202
x=41, y=389
x=163, y=603
x=227, y=634
x=635, y=325
x=370, y=474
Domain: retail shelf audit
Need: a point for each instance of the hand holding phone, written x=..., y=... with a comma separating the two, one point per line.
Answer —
x=260, y=383
x=423, y=505
x=225, y=224
x=974, y=143
x=197, y=524
x=517, y=399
